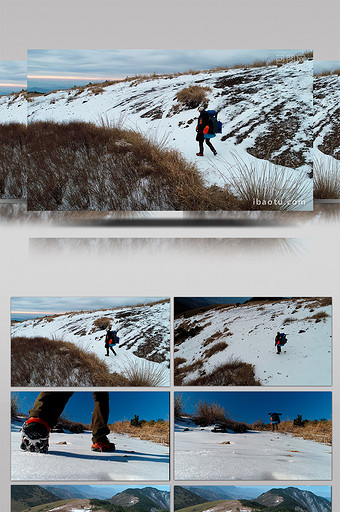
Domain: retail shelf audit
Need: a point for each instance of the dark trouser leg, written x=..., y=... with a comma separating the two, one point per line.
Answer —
x=200, y=142
x=210, y=145
x=113, y=351
x=49, y=406
x=100, y=416
x=278, y=349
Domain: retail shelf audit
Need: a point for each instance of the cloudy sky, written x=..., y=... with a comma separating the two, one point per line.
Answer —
x=12, y=76
x=326, y=65
x=25, y=307
x=52, y=69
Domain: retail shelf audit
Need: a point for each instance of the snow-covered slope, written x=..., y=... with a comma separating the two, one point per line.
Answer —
x=13, y=108
x=133, y=459
x=326, y=96
x=144, y=333
x=203, y=455
x=249, y=331
x=266, y=113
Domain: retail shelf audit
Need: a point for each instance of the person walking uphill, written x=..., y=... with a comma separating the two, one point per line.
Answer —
x=204, y=131
x=280, y=340
x=44, y=416
x=111, y=339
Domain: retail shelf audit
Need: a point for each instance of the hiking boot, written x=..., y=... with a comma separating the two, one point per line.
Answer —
x=35, y=435
x=103, y=446
x=215, y=153
x=107, y=355
x=199, y=154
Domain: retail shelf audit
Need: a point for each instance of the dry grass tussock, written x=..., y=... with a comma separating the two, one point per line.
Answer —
x=81, y=166
x=212, y=413
x=181, y=371
x=326, y=179
x=43, y=362
x=13, y=160
x=231, y=373
x=156, y=431
x=143, y=373
x=268, y=188
x=315, y=430
x=15, y=405
x=193, y=96
x=179, y=405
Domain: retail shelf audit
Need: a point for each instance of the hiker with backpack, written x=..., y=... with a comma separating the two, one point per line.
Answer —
x=280, y=340
x=44, y=416
x=111, y=339
x=275, y=420
x=205, y=130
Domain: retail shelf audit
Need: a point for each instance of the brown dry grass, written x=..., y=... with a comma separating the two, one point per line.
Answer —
x=13, y=160
x=182, y=371
x=80, y=166
x=328, y=72
x=156, y=431
x=326, y=179
x=102, y=323
x=232, y=373
x=212, y=413
x=193, y=96
x=43, y=362
x=315, y=430
x=218, y=347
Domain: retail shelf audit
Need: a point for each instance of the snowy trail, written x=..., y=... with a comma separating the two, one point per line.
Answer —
x=144, y=326
x=249, y=331
x=246, y=108
x=201, y=455
x=133, y=459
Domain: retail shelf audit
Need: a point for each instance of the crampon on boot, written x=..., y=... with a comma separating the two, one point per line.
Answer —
x=35, y=435
x=103, y=446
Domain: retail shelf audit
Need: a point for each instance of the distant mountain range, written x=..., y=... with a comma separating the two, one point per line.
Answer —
x=218, y=499
x=149, y=499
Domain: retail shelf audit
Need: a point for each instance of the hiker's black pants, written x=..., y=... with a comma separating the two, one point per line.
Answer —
x=110, y=348
x=278, y=348
x=49, y=406
x=208, y=143
x=275, y=426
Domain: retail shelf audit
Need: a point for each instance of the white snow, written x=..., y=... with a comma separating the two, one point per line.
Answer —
x=133, y=459
x=13, y=108
x=132, y=329
x=264, y=95
x=250, y=330
x=199, y=455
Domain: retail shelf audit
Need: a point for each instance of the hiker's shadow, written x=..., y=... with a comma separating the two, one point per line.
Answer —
x=116, y=456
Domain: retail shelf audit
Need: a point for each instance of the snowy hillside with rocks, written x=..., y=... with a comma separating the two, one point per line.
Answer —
x=266, y=113
x=201, y=454
x=13, y=108
x=143, y=331
x=326, y=95
x=208, y=339
x=70, y=458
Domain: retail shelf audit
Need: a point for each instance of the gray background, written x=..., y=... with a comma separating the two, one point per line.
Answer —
x=311, y=269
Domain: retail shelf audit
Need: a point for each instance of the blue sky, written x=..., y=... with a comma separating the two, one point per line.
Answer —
x=148, y=405
x=12, y=76
x=58, y=69
x=250, y=406
x=31, y=307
